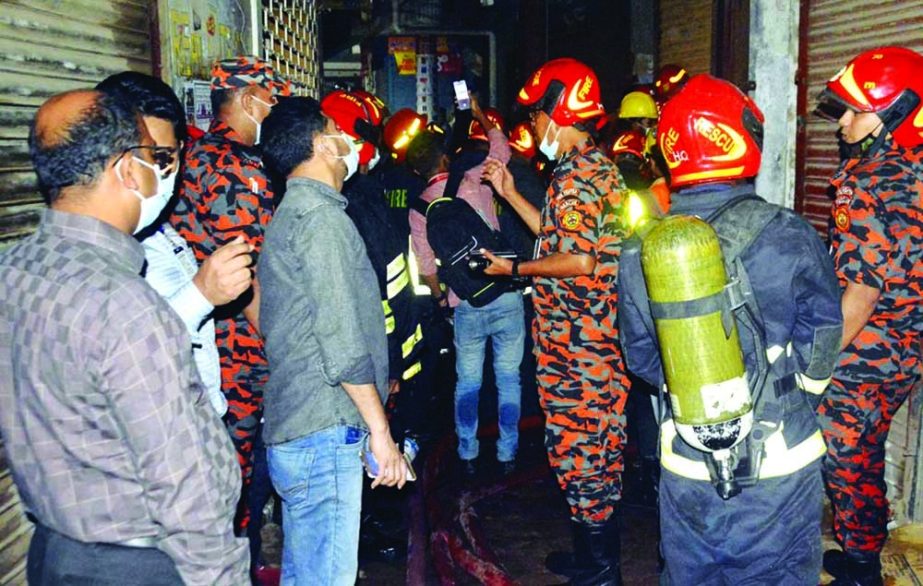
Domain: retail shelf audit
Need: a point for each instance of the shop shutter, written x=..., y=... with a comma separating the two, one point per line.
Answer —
x=686, y=29
x=836, y=31
x=49, y=46
x=291, y=43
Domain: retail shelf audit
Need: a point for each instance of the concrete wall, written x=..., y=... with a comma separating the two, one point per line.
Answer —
x=773, y=65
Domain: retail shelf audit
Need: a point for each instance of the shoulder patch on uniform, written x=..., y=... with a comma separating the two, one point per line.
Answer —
x=568, y=202
x=843, y=196
x=841, y=218
x=571, y=219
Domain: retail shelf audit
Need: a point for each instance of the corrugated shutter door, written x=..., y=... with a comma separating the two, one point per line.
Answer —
x=49, y=46
x=686, y=34
x=838, y=30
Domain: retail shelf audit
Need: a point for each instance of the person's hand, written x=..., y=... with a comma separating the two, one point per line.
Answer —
x=226, y=274
x=499, y=176
x=498, y=266
x=392, y=468
x=476, y=111
x=394, y=386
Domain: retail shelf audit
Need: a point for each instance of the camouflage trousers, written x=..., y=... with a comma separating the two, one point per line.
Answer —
x=245, y=409
x=584, y=406
x=855, y=419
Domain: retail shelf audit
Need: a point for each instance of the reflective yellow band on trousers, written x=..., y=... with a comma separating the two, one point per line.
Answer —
x=779, y=460
x=389, y=316
x=412, y=371
x=411, y=341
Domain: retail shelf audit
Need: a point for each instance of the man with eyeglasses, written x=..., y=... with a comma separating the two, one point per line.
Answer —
x=170, y=266
x=117, y=455
x=225, y=195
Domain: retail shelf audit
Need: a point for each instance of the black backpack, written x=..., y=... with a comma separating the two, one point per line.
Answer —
x=454, y=231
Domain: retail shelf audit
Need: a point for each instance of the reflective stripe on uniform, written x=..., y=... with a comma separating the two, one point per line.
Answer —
x=395, y=267
x=411, y=341
x=412, y=371
x=398, y=284
x=812, y=385
x=779, y=460
x=389, y=316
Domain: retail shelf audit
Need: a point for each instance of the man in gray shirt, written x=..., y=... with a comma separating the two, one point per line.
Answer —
x=116, y=452
x=323, y=323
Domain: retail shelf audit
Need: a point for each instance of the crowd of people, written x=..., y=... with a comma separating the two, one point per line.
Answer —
x=200, y=321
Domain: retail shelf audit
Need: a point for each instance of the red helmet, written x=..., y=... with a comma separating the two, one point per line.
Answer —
x=400, y=129
x=887, y=81
x=566, y=90
x=476, y=131
x=710, y=131
x=630, y=142
x=377, y=109
x=522, y=141
x=352, y=117
x=670, y=79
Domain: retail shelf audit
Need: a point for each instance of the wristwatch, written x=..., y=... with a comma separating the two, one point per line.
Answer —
x=515, y=270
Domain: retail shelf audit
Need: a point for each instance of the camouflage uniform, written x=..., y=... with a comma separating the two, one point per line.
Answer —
x=877, y=238
x=582, y=381
x=225, y=194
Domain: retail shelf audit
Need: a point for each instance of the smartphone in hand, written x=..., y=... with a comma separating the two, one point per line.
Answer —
x=461, y=95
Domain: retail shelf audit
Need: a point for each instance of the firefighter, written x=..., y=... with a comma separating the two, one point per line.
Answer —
x=582, y=382
x=401, y=184
x=788, y=326
x=876, y=238
x=639, y=111
x=670, y=79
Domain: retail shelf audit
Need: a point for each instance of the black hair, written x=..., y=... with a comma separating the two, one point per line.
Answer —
x=149, y=96
x=104, y=130
x=425, y=152
x=288, y=133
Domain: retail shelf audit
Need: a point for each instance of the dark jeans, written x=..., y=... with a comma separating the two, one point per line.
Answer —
x=56, y=560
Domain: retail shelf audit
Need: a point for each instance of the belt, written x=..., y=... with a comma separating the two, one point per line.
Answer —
x=780, y=460
x=137, y=542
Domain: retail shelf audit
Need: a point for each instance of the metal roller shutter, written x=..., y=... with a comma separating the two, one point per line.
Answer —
x=291, y=43
x=49, y=46
x=836, y=31
x=686, y=29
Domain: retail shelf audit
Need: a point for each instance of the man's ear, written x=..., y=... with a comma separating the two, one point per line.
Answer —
x=128, y=168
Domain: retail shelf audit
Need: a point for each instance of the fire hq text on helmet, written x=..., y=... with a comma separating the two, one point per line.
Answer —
x=886, y=81
x=709, y=132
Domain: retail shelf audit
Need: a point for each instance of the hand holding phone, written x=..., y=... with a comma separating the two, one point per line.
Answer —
x=461, y=95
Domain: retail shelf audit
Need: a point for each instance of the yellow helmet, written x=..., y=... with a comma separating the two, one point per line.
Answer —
x=638, y=105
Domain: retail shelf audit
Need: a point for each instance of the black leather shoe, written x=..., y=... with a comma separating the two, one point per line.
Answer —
x=853, y=570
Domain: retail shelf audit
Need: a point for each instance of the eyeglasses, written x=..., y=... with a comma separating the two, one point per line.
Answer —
x=164, y=157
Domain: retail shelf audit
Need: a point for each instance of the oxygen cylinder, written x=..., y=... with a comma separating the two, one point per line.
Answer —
x=699, y=344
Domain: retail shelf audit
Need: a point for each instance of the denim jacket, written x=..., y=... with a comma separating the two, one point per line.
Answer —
x=320, y=314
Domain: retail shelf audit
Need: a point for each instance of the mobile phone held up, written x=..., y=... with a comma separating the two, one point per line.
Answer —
x=461, y=95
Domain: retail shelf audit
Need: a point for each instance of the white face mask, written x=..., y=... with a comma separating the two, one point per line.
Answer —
x=152, y=205
x=259, y=125
x=550, y=150
x=351, y=158
x=374, y=160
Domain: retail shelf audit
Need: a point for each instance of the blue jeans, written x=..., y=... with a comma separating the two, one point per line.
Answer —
x=319, y=477
x=503, y=322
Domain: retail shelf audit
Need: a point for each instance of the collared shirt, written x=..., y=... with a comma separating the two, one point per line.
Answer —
x=169, y=269
x=109, y=435
x=471, y=189
x=321, y=315
x=877, y=241
x=225, y=193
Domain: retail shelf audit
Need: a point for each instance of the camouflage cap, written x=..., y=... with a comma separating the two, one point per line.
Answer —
x=244, y=71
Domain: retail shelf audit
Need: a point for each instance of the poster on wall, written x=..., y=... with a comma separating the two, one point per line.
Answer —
x=448, y=61
x=197, y=103
x=425, y=84
x=404, y=50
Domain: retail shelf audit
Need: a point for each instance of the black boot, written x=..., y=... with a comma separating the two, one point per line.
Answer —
x=853, y=570
x=596, y=560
